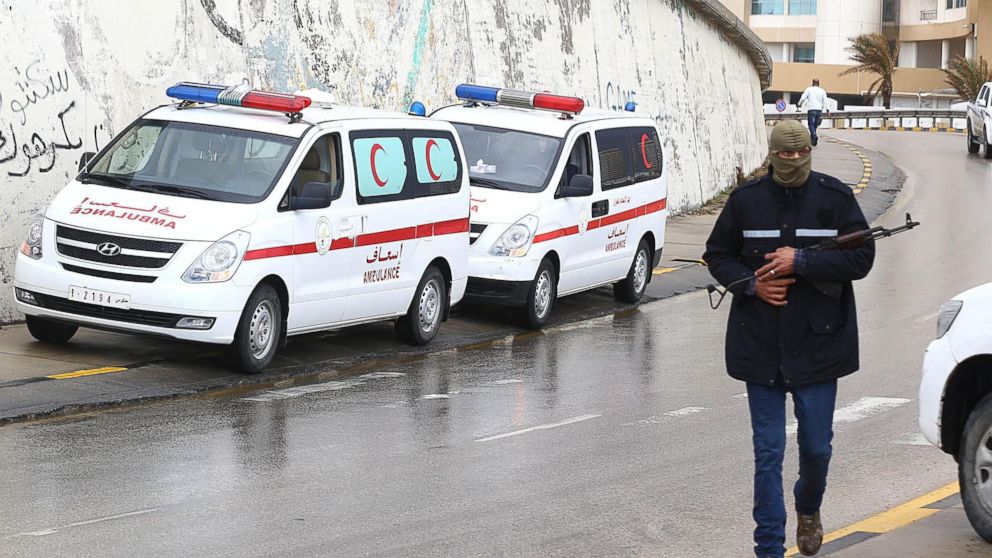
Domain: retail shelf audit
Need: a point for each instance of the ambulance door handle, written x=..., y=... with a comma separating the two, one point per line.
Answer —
x=347, y=227
x=600, y=208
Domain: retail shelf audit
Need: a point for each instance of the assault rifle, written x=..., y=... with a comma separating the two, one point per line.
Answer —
x=847, y=241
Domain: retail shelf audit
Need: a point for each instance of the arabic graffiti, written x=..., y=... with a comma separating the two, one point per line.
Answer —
x=36, y=148
x=27, y=143
x=120, y=211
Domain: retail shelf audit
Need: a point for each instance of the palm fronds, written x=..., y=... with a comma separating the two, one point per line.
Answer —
x=967, y=75
x=872, y=54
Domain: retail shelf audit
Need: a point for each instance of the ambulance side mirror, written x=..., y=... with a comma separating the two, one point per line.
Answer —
x=579, y=186
x=313, y=195
x=85, y=159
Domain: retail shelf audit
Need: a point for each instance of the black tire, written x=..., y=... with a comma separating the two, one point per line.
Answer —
x=975, y=468
x=973, y=146
x=988, y=146
x=48, y=331
x=426, y=312
x=259, y=331
x=540, y=298
x=632, y=288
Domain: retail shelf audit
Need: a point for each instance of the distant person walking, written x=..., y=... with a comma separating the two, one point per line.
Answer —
x=814, y=100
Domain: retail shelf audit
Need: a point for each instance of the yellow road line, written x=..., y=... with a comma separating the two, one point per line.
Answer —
x=90, y=372
x=899, y=516
x=664, y=270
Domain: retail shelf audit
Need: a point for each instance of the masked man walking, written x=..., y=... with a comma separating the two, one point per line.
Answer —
x=784, y=334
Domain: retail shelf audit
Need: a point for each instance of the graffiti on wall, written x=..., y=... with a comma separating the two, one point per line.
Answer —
x=36, y=112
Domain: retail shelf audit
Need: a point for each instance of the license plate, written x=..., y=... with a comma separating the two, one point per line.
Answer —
x=100, y=298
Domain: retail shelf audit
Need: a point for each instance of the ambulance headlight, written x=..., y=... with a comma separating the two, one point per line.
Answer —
x=516, y=241
x=31, y=247
x=220, y=261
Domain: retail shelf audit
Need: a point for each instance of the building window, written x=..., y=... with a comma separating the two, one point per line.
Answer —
x=767, y=7
x=951, y=4
x=804, y=54
x=802, y=7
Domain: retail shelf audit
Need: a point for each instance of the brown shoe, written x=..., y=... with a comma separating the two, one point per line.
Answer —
x=809, y=534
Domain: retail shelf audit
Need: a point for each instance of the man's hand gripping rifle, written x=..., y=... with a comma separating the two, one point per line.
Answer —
x=847, y=241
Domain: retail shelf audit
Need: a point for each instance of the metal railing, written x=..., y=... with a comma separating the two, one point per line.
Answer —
x=937, y=118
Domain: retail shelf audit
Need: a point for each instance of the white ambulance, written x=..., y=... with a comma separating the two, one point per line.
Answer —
x=240, y=217
x=563, y=200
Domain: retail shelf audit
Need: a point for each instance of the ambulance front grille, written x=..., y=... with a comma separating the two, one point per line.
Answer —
x=143, y=253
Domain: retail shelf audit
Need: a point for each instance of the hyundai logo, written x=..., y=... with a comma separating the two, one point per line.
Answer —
x=109, y=249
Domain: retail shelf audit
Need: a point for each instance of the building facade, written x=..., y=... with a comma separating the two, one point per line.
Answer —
x=809, y=39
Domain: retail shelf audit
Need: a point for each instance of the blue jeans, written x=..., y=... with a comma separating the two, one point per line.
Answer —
x=813, y=118
x=814, y=407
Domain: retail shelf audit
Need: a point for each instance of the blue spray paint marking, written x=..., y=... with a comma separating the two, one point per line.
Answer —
x=418, y=49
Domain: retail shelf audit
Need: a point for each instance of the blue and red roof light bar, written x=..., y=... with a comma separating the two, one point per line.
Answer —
x=519, y=99
x=237, y=96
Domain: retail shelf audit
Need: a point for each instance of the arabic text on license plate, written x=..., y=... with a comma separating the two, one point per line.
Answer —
x=101, y=298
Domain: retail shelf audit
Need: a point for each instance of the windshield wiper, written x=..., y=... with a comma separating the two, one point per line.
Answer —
x=105, y=180
x=177, y=190
x=486, y=183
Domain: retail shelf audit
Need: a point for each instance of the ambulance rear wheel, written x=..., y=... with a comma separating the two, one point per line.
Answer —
x=423, y=319
x=257, y=337
x=541, y=297
x=973, y=145
x=632, y=288
x=48, y=331
x=975, y=468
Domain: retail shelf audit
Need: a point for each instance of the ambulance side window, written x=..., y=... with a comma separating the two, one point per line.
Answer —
x=615, y=165
x=646, y=154
x=322, y=163
x=382, y=166
x=438, y=168
x=579, y=162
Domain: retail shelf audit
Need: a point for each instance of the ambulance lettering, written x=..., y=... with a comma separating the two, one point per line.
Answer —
x=120, y=211
x=617, y=239
x=389, y=272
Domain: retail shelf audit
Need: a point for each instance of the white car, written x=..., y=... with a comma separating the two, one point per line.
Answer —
x=563, y=199
x=240, y=217
x=956, y=398
x=980, y=122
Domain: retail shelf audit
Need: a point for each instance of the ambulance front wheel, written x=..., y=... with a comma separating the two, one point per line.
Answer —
x=541, y=297
x=632, y=288
x=259, y=331
x=48, y=331
x=423, y=318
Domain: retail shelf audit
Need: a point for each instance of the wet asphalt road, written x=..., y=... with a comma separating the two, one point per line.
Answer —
x=613, y=436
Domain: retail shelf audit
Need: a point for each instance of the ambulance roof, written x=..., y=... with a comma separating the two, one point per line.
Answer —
x=535, y=121
x=273, y=122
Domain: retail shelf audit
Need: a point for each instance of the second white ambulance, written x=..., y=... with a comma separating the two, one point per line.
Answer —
x=563, y=199
x=219, y=219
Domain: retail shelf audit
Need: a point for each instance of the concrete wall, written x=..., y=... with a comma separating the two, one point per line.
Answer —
x=73, y=72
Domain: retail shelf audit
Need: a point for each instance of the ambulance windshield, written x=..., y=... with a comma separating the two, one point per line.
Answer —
x=193, y=160
x=508, y=159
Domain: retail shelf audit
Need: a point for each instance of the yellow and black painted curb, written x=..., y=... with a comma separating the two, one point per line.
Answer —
x=887, y=521
x=865, y=164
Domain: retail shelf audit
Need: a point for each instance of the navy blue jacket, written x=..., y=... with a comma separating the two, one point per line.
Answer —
x=815, y=337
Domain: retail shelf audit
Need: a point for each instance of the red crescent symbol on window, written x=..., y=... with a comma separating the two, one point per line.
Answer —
x=375, y=176
x=430, y=170
x=644, y=151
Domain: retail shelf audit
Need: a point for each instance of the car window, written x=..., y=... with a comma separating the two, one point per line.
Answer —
x=615, y=165
x=185, y=159
x=381, y=168
x=646, y=156
x=504, y=159
x=322, y=163
x=436, y=161
x=579, y=162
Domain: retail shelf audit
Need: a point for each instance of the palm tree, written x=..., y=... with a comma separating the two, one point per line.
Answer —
x=874, y=55
x=967, y=75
